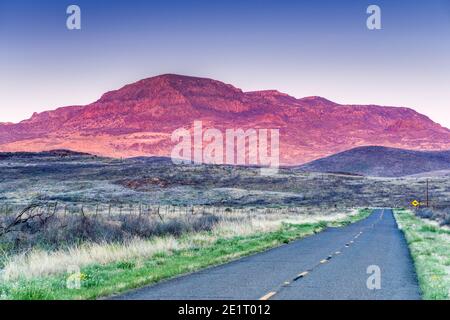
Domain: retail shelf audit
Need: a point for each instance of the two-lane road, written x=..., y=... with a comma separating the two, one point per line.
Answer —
x=332, y=264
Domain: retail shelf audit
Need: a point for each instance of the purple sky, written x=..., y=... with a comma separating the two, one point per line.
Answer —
x=299, y=47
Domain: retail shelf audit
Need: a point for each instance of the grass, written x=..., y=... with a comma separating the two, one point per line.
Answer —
x=430, y=249
x=196, y=251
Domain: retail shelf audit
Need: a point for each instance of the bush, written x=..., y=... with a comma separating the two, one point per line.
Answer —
x=441, y=214
x=424, y=213
x=445, y=220
x=65, y=230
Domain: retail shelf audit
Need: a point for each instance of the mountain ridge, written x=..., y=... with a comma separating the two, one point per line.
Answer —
x=138, y=119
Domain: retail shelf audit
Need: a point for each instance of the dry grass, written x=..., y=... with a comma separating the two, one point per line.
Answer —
x=38, y=262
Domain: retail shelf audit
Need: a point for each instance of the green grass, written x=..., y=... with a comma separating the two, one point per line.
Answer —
x=103, y=280
x=430, y=249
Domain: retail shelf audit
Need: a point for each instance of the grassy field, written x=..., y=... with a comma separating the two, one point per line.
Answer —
x=35, y=276
x=430, y=248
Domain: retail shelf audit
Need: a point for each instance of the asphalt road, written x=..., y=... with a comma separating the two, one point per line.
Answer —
x=332, y=264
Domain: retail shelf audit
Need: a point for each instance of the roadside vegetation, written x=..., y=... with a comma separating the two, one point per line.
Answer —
x=440, y=215
x=429, y=244
x=116, y=252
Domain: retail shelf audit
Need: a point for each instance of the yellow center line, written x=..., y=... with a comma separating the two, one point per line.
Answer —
x=268, y=296
x=304, y=273
x=300, y=275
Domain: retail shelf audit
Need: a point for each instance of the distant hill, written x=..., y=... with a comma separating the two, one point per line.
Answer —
x=435, y=174
x=62, y=153
x=381, y=162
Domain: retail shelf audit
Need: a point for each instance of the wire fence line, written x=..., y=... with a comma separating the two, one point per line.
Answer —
x=114, y=209
x=106, y=209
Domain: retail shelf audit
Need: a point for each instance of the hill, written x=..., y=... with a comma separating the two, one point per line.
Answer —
x=382, y=162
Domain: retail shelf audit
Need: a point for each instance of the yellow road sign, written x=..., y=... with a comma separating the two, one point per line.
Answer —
x=415, y=203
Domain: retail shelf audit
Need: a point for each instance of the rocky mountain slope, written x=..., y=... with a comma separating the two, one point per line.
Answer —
x=138, y=120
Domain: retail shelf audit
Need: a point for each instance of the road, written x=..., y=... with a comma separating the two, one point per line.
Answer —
x=332, y=264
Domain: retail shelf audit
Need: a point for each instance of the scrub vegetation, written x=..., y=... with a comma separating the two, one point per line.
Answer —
x=429, y=244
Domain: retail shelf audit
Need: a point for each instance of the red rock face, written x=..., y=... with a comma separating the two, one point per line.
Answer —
x=138, y=120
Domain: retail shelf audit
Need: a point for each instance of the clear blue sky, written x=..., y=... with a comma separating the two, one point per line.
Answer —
x=299, y=47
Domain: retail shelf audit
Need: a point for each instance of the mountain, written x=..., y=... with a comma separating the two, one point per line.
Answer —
x=44, y=154
x=382, y=162
x=138, y=120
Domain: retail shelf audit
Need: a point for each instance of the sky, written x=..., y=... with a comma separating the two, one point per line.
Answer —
x=303, y=48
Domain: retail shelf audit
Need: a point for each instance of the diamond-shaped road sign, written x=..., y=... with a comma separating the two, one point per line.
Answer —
x=415, y=203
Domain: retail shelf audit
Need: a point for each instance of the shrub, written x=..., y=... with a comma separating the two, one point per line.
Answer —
x=440, y=214
x=65, y=230
x=424, y=213
x=445, y=220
